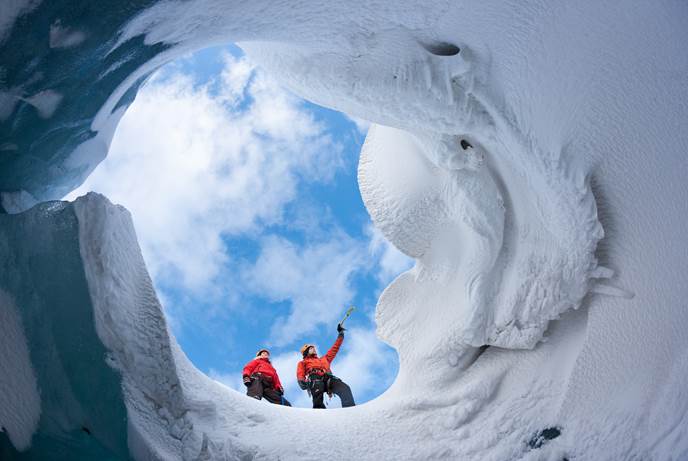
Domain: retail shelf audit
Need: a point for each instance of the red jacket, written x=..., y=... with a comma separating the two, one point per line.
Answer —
x=315, y=363
x=265, y=368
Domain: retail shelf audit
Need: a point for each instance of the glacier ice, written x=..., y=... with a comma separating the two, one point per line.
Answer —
x=20, y=404
x=529, y=157
x=77, y=388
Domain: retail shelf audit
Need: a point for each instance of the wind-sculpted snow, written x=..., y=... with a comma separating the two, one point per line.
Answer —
x=481, y=239
x=122, y=356
x=529, y=156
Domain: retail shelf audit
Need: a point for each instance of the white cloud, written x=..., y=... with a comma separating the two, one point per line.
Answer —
x=285, y=364
x=235, y=77
x=315, y=278
x=193, y=165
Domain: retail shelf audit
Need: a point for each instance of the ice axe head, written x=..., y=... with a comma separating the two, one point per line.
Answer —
x=346, y=316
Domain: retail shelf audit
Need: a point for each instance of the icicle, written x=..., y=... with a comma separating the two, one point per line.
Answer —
x=601, y=272
x=428, y=76
x=449, y=85
x=609, y=290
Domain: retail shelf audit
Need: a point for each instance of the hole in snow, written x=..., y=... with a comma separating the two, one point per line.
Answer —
x=247, y=209
x=544, y=436
x=442, y=48
x=465, y=144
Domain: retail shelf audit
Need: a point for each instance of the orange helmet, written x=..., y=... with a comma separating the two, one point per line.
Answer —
x=305, y=347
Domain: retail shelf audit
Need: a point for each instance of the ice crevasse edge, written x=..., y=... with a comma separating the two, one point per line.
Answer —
x=523, y=172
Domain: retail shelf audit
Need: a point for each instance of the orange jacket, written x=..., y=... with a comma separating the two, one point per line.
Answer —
x=315, y=363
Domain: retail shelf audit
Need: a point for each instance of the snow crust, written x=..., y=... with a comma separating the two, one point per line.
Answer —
x=529, y=157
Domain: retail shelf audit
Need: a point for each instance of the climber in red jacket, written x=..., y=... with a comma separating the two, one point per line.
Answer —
x=313, y=374
x=261, y=379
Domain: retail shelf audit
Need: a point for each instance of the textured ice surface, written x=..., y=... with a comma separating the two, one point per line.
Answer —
x=20, y=404
x=508, y=262
x=529, y=156
x=42, y=275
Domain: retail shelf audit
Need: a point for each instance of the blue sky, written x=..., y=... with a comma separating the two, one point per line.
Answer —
x=247, y=209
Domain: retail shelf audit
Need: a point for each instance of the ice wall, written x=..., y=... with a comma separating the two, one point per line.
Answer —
x=55, y=377
x=529, y=156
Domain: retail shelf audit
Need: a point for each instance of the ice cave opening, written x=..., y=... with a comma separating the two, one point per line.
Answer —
x=246, y=206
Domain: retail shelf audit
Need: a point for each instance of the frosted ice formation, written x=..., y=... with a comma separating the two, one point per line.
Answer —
x=508, y=262
x=529, y=156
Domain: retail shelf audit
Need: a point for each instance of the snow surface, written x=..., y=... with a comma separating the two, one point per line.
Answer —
x=529, y=156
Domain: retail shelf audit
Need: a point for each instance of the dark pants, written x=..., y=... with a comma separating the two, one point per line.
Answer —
x=320, y=385
x=259, y=388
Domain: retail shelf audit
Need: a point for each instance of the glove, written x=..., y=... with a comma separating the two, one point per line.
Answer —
x=247, y=381
x=340, y=329
x=303, y=385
